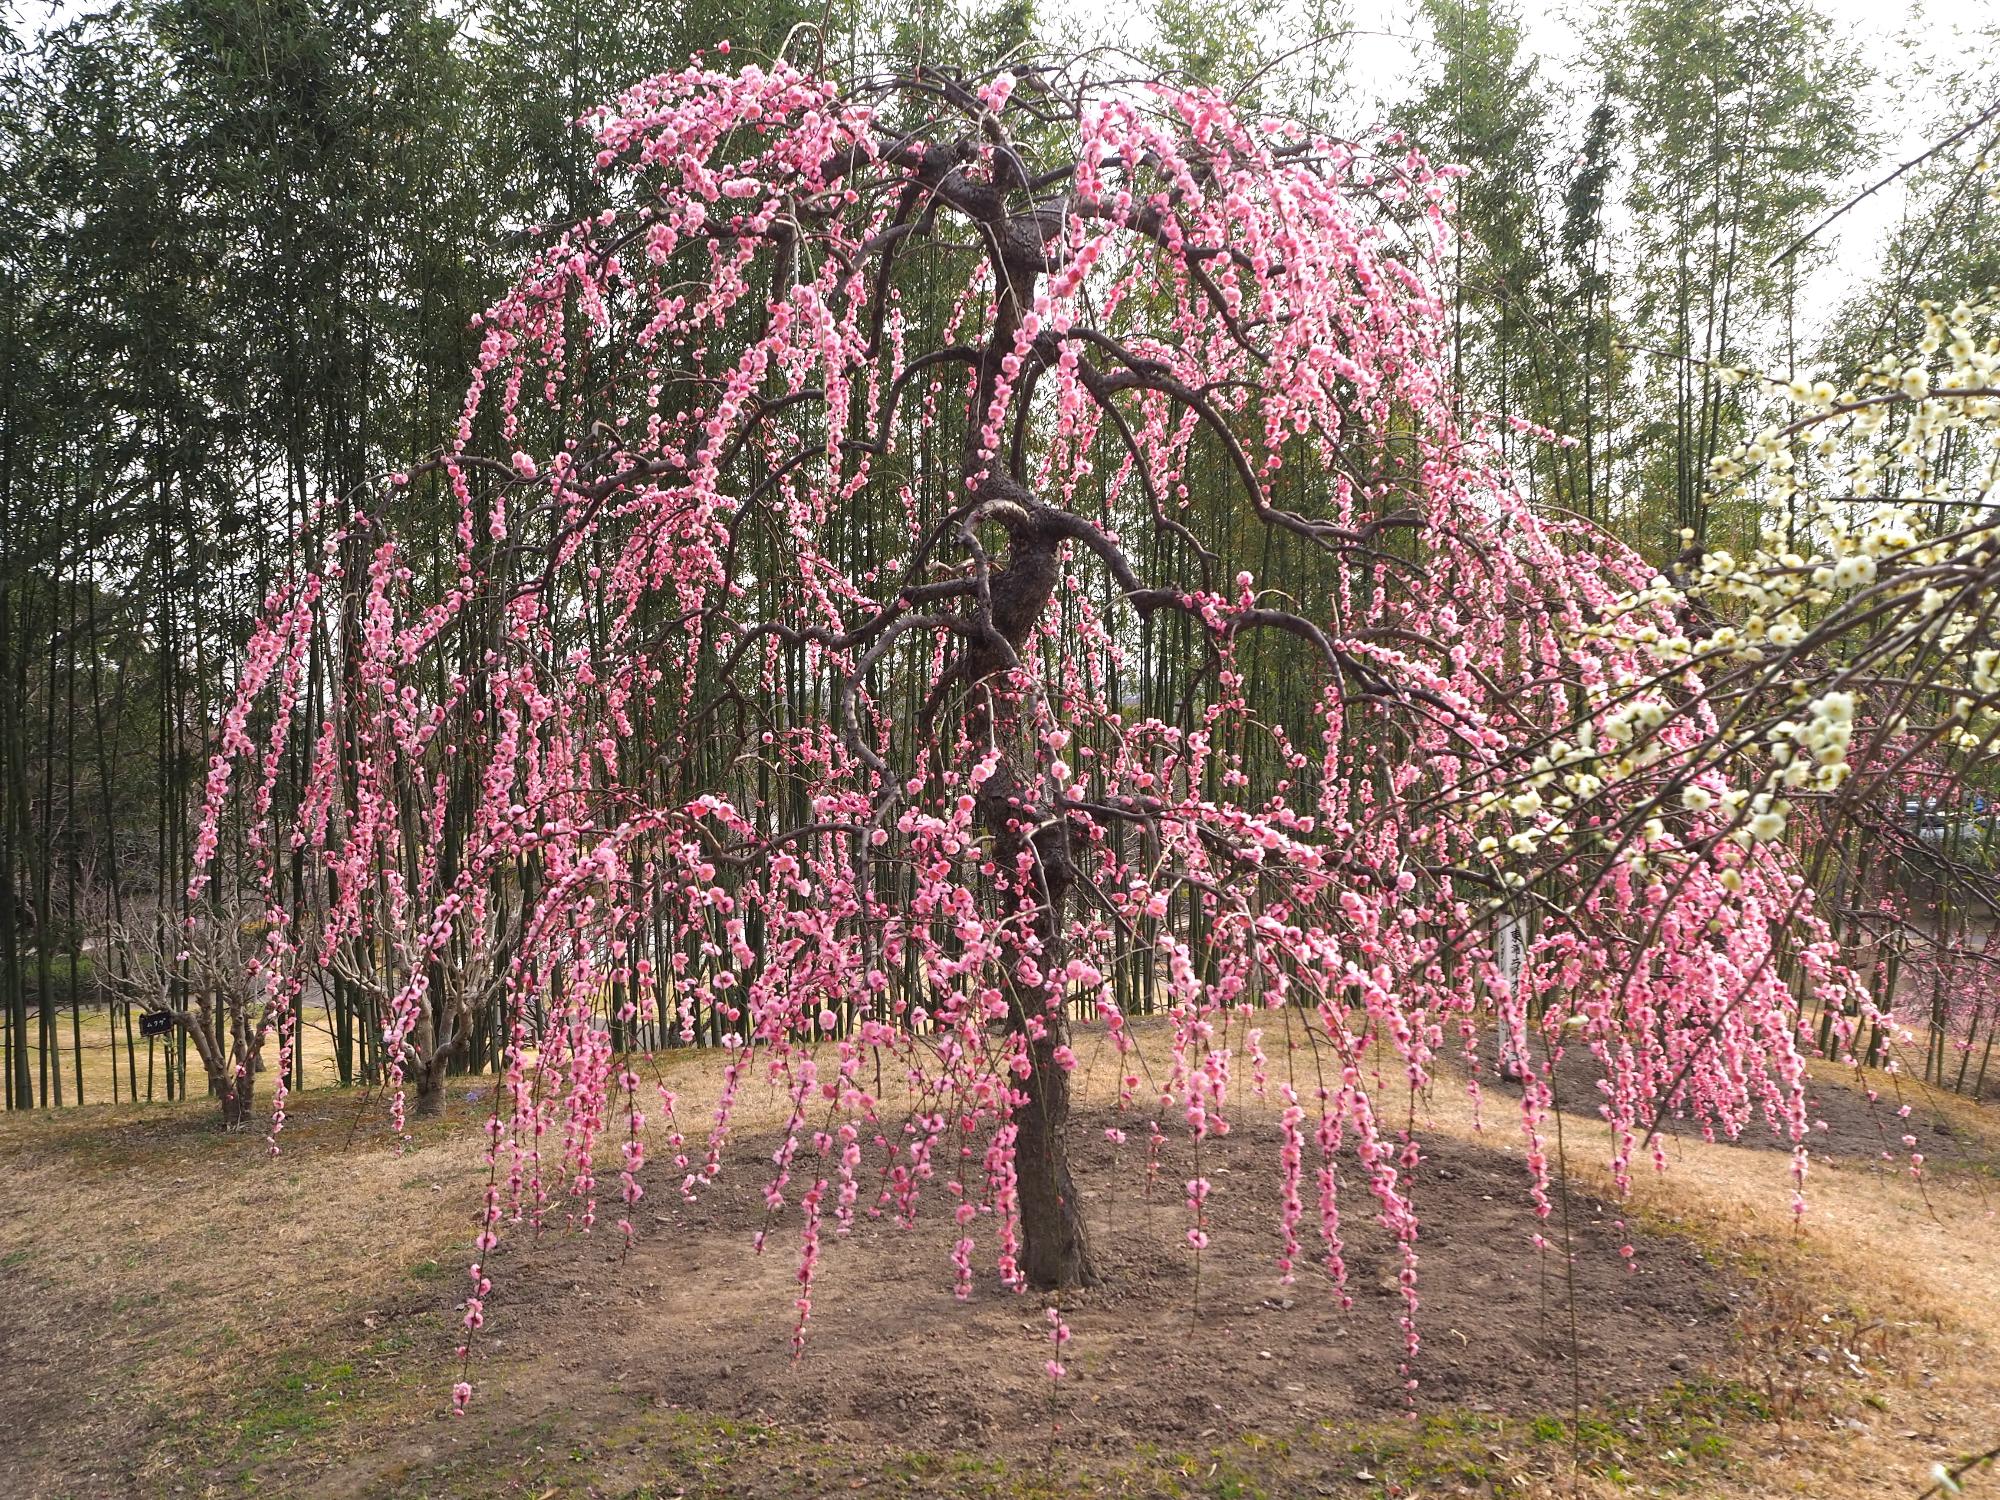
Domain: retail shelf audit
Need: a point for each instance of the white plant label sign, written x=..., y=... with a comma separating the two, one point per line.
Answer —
x=1510, y=952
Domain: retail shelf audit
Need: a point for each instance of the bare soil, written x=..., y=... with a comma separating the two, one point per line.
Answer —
x=1847, y=1123
x=1156, y=1351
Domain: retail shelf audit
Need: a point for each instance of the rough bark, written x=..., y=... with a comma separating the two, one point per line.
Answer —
x=430, y=1088
x=238, y=1102
x=1055, y=1246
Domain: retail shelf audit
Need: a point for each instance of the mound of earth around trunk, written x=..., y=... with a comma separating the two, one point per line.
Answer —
x=1163, y=1351
x=1846, y=1124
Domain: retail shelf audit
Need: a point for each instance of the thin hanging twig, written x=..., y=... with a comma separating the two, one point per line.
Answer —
x=1868, y=192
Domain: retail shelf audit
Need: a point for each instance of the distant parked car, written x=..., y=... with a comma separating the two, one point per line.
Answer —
x=1972, y=835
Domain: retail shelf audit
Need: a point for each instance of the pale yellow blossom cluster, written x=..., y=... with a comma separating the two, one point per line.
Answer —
x=1865, y=612
x=1891, y=531
x=1541, y=803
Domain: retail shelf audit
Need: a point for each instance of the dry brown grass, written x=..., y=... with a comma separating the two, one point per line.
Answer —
x=159, y=1268
x=1904, y=1273
x=111, y=1069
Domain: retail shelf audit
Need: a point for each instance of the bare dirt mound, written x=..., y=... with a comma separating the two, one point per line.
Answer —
x=690, y=1321
x=1848, y=1125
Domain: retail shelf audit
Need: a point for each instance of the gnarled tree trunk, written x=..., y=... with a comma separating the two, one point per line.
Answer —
x=238, y=1096
x=1056, y=1249
x=430, y=1080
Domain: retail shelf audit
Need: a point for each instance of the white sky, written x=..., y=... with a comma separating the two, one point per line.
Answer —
x=1904, y=41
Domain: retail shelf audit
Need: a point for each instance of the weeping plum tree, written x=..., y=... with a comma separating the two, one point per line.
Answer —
x=943, y=562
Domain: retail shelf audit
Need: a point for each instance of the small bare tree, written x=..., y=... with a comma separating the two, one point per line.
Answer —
x=205, y=976
x=443, y=991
